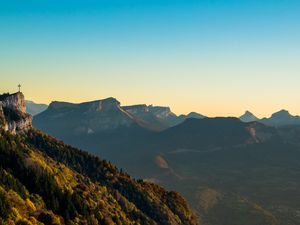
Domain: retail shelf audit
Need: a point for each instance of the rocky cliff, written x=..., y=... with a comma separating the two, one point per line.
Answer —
x=85, y=118
x=13, y=116
x=159, y=117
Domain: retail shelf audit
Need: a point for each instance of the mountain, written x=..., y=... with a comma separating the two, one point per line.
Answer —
x=33, y=108
x=87, y=118
x=231, y=172
x=105, y=124
x=44, y=181
x=159, y=117
x=248, y=117
x=213, y=133
x=281, y=119
x=194, y=115
x=105, y=116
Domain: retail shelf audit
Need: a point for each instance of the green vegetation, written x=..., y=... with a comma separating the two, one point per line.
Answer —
x=44, y=181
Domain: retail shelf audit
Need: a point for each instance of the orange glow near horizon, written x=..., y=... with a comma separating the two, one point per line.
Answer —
x=213, y=106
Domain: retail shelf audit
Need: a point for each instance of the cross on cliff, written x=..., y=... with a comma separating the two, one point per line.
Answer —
x=19, y=86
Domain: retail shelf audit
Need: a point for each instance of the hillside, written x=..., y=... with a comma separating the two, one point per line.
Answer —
x=42, y=180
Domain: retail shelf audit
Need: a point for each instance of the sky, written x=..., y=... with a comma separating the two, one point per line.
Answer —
x=216, y=57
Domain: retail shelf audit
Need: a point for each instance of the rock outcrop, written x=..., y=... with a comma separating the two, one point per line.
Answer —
x=14, y=101
x=13, y=116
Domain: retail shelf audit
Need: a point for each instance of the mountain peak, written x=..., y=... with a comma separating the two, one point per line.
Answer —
x=195, y=115
x=248, y=117
x=281, y=114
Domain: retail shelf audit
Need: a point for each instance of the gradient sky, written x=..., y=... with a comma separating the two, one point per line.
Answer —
x=217, y=57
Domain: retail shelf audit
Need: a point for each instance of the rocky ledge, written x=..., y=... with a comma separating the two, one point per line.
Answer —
x=13, y=116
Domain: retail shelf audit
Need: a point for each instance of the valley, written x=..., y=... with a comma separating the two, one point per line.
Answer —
x=225, y=168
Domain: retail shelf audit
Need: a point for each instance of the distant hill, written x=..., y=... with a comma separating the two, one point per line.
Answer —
x=33, y=108
x=44, y=181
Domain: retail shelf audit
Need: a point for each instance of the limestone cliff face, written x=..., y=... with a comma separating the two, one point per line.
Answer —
x=137, y=109
x=13, y=116
x=2, y=118
x=158, y=116
x=84, y=118
x=14, y=101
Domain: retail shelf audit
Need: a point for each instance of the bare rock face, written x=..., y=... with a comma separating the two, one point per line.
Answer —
x=13, y=116
x=137, y=109
x=14, y=101
x=2, y=119
x=104, y=115
x=159, y=117
x=161, y=112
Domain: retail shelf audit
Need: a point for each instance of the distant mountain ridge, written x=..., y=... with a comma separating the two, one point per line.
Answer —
x=34, y=108
x=159, y=116
x=278, y=119
x=91, y=117
x=281, y=118
x=107, y=115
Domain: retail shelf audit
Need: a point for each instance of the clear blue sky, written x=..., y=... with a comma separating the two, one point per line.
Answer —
x=217, y=57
